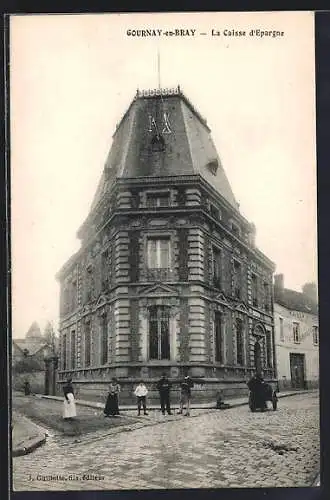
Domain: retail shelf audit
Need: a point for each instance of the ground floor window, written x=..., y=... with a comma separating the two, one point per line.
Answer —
x=64, y=359
x=87, y=344
x=239, y=342
x=73, y=349
x=159, y=332
x=104, y=339
x=218, y=337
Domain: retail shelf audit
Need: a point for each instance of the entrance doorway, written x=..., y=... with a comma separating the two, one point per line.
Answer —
x=257, y=357
x=297, y=367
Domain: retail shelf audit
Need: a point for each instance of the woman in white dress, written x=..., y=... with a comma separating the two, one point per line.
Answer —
x=69, y=405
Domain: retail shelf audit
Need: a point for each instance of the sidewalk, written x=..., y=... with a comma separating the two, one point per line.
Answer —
x=26, y=436
x=233, y=402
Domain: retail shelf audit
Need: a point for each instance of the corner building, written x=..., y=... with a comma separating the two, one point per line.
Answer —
x=168, y=277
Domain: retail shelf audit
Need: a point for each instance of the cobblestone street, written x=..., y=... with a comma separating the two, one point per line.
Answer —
x=210, y=449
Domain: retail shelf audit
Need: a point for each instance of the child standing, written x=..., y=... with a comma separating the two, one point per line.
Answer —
x=186, y=385
x=141, y=392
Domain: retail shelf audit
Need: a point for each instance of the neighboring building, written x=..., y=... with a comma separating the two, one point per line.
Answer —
x=168, y=276
x=28, y=359
x=32, y=346
x=297, y=336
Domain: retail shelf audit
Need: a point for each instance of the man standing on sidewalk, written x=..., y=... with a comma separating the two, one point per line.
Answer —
x=141, y=393
x=164, y=387
x=186, y=385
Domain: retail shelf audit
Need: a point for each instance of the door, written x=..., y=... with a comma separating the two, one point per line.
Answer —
x=257, y=357
x=297, y=367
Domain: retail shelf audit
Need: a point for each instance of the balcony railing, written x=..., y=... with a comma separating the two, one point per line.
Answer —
x=159, y=274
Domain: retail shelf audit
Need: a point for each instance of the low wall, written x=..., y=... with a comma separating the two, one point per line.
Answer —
x=36, y=380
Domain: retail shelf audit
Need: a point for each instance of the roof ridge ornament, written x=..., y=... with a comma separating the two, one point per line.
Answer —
x=162, y=92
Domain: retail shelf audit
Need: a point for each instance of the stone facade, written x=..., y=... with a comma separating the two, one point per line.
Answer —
x=168, y=277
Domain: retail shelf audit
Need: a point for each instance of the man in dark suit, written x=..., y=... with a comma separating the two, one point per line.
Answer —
x=164, y=387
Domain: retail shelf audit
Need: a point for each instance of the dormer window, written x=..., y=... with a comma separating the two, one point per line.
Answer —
x=215, y=212
x=213, y=166
x=135, y=199
x=235, y=229
x=157, y=144
x=155, y=200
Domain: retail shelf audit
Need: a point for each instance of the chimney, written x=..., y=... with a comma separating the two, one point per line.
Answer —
x=309, y=289
x=279, y=282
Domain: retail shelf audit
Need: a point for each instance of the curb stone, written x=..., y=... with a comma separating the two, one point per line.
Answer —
x=28, y=448
x=29, y=444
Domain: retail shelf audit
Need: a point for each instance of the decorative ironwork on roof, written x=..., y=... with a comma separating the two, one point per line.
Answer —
x=161, y=92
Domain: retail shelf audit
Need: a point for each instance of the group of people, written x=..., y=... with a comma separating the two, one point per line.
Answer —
x=260, y=392
x=111, y=408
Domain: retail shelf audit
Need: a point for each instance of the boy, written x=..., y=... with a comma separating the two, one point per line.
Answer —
x=186, y=387
x=141, y=392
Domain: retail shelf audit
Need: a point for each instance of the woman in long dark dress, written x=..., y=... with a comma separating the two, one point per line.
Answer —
x=111, y=406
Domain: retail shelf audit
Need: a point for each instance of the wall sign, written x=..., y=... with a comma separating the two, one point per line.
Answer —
x=297, y=314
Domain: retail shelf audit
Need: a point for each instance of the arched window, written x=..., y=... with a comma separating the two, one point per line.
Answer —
x=157, y=143
x=257, y=357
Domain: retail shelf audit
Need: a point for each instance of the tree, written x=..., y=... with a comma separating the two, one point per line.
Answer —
x=27, y=365
x=49, y=336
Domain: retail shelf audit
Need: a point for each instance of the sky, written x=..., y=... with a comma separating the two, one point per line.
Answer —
x=72, y=77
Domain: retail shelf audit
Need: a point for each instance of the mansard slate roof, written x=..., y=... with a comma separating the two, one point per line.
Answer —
x=189, y=149
x=295, y=301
